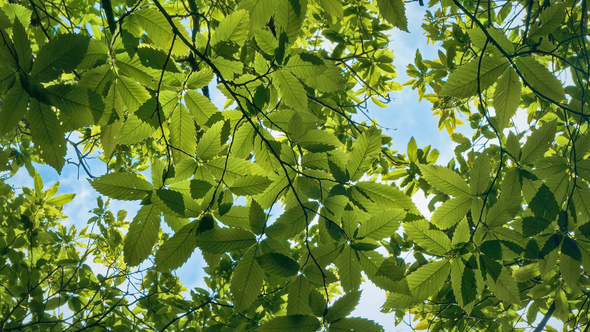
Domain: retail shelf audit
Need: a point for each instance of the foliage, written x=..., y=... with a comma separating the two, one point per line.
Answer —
x=509, y=232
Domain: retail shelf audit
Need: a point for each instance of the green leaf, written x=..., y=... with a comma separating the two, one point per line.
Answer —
x=503, y=211
x=432, y=240
x=260, y=12
x=387, y=197
x=278, y=264
x=233, y=28
x=22, y=46
x=349, y=269
x=200, y=107
x=291, y=323
x=540, y=79
x=298, y=299
x=538, y=143
x=343, y=306
x=364, y=150
x=134, y=131
x=199, y=80
x=47, y=134
x=445, y=180
x=479, y=176
x=142, y=235
x=383, y=273
x=505, y=288
x=210, y=144
x=61, y=54
x=423, y=283
x=451, y=212
x=355, y=324
x=156, y=26
x=318, y=141
x=175, y=251
x=394, y=12
x=249, y=185
x=464, y=81
x=290, y=90
x=134, y=95
x=507, y=97
x=292, y=221
x=317, y=302
x=79, y=107
x=544, y=204
x=246, y=281
x=257, y=218
x=330, y=80
x=199, y=188
x=13, y=108
x=124, y=186
x=551, y=17
x=304, y=68
x=61, y=200
x=169, y=201
x=381, y=225
x=221, y=240
x=289, y=16
x=570, y=267
x=333, y=7
x=183, y=135
x=464, y=283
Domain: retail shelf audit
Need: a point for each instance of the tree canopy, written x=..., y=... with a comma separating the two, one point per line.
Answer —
x=291, y=199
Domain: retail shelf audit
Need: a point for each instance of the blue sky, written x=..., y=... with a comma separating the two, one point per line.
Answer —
x=405, y=115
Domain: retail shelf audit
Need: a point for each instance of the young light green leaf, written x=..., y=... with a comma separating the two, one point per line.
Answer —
x=61, y=200
x=142, y=235
x=394, y=12
x=445, y=180
x=221, y=240
x=343, y=306
x=465, y=80
x=540, y=78
x=124, y=186
x=61, y=54
x=47, y=134
x=507, y=97
x=246, y=281
x=298, y=299
x=175, y=251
